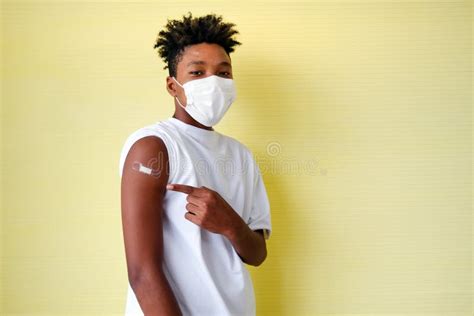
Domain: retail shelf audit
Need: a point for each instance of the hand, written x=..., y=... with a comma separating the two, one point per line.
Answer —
x=206, y=208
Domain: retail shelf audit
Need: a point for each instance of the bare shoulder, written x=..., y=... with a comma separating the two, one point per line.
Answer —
x=148, y=156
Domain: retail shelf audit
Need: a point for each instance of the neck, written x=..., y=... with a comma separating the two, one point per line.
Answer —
x=186, y=118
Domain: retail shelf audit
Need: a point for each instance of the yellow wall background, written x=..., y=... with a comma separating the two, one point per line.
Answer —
x=358, y=111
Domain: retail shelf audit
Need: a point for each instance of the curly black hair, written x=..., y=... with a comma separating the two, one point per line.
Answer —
x=178, y=34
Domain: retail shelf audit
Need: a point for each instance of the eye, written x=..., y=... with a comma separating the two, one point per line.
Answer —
x=225, y=74
x=196, y=73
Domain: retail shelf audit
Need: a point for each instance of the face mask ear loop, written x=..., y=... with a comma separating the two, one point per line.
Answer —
x=176, y=97
x=177, y=82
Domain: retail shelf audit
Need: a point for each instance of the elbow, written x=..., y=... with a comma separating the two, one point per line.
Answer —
x=264, y=256
x=134, y=277
x=261, y=258
x=140, y=275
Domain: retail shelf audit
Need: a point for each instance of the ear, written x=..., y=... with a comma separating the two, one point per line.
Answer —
x=171, y=86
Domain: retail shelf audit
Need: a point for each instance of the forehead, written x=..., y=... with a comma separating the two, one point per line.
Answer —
x=211, y=54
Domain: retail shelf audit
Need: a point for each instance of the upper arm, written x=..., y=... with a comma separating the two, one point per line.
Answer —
x=142, y=204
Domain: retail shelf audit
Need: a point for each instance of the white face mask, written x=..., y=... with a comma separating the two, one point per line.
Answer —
x=208, y=99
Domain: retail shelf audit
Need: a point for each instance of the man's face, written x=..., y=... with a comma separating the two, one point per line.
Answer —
x=199, y=61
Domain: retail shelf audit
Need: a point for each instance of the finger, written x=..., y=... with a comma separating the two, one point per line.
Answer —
x=192, y=218
x=193, y=208
x=194, y=200
x=181, y=188
x=202, y=191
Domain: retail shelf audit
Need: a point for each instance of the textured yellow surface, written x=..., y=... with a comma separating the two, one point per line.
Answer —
x=359, y=113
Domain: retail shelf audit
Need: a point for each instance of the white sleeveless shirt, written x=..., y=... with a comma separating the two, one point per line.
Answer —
x=203, y=269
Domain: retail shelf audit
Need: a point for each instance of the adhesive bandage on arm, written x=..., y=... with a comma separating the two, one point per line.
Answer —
x=138, y=166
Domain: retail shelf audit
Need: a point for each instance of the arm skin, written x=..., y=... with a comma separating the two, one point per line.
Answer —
x=142, y=206
x=249, y=244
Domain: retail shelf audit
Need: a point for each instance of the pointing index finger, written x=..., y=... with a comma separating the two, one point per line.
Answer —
x=188, y=189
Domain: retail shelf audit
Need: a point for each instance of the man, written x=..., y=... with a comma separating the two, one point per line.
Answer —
x=194, y=206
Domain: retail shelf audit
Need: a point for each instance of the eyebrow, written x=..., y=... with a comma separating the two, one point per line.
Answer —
x=202, y=62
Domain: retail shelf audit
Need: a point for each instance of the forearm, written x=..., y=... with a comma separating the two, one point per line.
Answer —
x=154, y=294
x=250, y=245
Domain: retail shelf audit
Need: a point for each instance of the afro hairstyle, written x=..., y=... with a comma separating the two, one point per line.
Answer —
x=178, y=34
